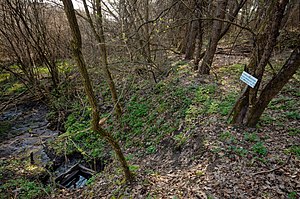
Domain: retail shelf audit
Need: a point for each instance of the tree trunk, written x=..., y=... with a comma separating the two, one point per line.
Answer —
x=77, y=51
x=231, y=16
x=215, y=35
x=191, y=41
x=199, y=43
x=103, y=52
x=103, y=55
x=199, y=40
x=274, y=86
x=246, y=110
x=183, y=44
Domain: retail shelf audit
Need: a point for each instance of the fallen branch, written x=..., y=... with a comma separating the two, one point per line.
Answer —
x=271, y=170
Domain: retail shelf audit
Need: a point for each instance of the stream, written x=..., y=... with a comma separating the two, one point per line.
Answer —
x=25, y=136
x=28, y=131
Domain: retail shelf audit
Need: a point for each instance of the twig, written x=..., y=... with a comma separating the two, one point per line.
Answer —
x=161, y=14
x=271, y=170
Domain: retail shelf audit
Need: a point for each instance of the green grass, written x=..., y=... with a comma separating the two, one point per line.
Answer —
x=20, y=178
x=225, y=136
x=150, y=113
x=4, y=77
x=250, y=143
x=232, y=69
x=240, y=151
x=9, y=85
x=252, y=137
x=154, y=114
x=180, y=139
x=208, y=101
x=267, y=119
x=293, y=115
x=43, y=70
x=292, y=195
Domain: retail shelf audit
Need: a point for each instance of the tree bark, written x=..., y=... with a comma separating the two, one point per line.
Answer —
x=213, y=42
x=246, y=111
x=274, y=86
x=191, y=41
x=103, y=53
x=77, y=51
x=231, y=16
x=199, y=40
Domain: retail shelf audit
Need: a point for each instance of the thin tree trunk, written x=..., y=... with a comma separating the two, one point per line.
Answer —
x=183, y=44
x=231, y=16
x=199, y=41
x=191, y=41
x=103, y=53
x=77, y=51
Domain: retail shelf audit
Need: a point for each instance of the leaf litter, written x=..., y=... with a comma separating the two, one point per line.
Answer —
x=217, y=160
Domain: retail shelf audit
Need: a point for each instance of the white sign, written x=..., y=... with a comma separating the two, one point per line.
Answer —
x=248, y=79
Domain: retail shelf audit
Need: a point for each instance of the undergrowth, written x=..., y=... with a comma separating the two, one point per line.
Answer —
x=151, y=112
x=20, y=179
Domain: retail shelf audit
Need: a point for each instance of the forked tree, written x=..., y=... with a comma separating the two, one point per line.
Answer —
x=252, y=102
x=77, y=52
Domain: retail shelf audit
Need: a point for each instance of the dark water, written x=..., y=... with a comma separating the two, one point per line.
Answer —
x=28, y=134
x=28, y=131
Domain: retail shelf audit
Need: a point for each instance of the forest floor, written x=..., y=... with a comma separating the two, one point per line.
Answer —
x=179, y=143
x=205, y=156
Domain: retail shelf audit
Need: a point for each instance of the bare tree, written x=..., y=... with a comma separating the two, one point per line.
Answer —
x=98, y=32
x=33, y=37
x=77, y=51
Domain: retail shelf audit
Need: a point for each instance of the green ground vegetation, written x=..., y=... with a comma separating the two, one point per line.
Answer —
x=152, y=112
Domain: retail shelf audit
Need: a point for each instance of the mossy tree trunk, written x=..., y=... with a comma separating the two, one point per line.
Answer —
x=77, y=52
